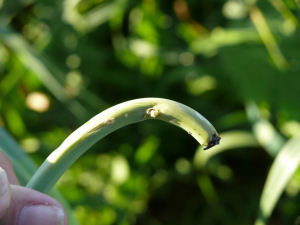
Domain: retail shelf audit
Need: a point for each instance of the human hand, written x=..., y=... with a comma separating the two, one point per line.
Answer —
x=23, y=206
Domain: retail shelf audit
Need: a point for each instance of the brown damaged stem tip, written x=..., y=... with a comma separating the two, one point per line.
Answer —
x=215, y=140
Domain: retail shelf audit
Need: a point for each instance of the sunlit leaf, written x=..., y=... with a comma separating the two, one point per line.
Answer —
x=282, y=169
x=264, y=131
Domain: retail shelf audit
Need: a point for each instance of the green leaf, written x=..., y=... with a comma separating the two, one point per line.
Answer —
x=282, y=169
x=264, y=131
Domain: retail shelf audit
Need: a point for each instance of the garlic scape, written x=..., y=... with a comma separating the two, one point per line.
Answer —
x=114, y=118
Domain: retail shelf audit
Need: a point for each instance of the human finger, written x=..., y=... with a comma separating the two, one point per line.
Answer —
x=30, y=207
x=7, y=166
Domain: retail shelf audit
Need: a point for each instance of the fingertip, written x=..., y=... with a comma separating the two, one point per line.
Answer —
x=6, y=164
x=30, y=207
x=4, y=193
x=3, y=182
x=41, y=215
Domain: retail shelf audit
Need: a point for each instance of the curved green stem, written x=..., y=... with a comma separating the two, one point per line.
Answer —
x=114, y=118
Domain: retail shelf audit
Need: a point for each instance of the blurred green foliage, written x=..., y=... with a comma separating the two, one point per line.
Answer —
x=237, y=62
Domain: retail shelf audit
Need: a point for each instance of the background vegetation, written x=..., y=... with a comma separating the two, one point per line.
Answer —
x=236, y=62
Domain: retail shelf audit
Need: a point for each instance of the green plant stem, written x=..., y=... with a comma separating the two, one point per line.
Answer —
x=112, y=119
x=267, y=38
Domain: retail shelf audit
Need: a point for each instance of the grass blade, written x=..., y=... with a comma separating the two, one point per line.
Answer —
x=267, y=38
x=264, y=131
x=282, y=169
x=219, y=38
